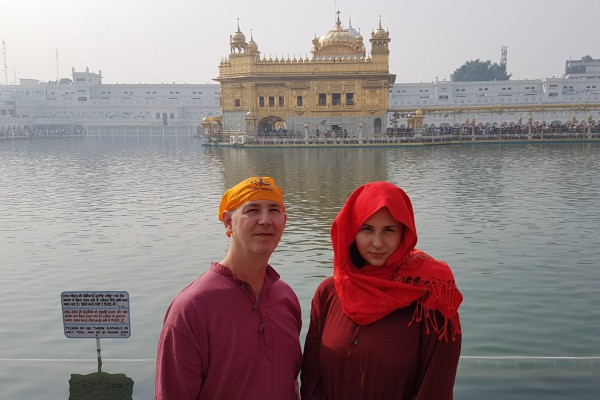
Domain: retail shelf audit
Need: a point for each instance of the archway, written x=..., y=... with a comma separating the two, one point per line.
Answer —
x=271, y=124
x=377, y=125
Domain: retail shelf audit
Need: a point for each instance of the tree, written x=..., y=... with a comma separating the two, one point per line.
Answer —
x=477, y=70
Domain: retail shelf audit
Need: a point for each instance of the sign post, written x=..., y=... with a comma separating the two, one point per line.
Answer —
x=96, y=314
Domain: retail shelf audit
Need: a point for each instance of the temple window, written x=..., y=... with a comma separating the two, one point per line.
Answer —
x=261, y=101
x=281, y=102
x=349, y=99
x=336, y=99
x=271, y=101
x=322, y=99
x=299, y=101
x=237, y=102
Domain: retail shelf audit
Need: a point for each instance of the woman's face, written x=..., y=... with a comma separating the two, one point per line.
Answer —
x=379, y=237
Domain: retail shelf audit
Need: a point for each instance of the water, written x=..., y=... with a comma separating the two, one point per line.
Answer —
x=517, y=223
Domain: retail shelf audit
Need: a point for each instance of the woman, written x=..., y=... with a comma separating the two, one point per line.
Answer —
x=386, y=325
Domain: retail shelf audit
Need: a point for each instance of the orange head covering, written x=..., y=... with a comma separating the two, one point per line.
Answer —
x=255, y=188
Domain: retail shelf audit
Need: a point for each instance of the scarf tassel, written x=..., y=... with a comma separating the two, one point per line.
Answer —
x=442, y=293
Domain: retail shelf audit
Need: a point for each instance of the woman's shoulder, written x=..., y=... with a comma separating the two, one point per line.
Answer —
x=421, y=263
x=326, y=288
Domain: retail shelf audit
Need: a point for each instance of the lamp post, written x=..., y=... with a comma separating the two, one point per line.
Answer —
x=306, y=133
x=500, y=138
x=360, y=132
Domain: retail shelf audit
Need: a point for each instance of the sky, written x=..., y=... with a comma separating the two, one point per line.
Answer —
x=183, y=41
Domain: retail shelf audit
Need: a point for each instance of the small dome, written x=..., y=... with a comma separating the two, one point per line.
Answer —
x=252, y=46
x=238, y=37
x=379, y=33
x=351, y=29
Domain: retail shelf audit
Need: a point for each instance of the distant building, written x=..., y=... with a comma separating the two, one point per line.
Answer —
x=339, y=87
x=585, y=68
x=107, y=109
x=450, y=103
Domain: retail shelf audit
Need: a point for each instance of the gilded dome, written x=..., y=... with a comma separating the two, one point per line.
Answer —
x=252, y=46
x=337, y=35
x=238, y=37
x=379, y=33
x=237, y=41
x=359, y=39
x=338, y=42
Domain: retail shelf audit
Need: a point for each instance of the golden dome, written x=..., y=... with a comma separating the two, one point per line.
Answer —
x=337, y=35
x=338, y=42
x=252, y=46
x=238, y=37
x=379, y=33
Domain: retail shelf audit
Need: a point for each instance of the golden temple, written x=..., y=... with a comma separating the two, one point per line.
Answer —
x=338, y=90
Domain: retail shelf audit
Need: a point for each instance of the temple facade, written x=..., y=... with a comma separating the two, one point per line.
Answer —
x=340, y=89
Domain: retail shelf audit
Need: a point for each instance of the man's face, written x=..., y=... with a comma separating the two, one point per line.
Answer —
x=256, y=226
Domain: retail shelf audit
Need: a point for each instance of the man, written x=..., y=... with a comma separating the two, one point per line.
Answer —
x=234, y=332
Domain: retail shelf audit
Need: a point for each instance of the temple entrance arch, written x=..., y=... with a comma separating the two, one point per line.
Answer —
x=377, y=125
x=271, y=124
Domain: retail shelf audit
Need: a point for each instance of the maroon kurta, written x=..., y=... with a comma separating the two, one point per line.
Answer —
x=385, y=360
x=219, y=342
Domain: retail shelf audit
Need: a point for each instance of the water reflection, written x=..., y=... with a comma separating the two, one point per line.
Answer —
x=518, y=224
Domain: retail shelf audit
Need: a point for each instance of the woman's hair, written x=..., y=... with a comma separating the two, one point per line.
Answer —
x=355, y=256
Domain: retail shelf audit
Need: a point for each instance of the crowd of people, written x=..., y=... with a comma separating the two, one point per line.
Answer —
x=49, y=130
x=569, y=128
x=384, y=326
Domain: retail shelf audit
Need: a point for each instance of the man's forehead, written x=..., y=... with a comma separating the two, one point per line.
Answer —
x=255, y=203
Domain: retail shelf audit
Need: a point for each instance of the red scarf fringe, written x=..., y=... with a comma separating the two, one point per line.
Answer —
x=443, y=297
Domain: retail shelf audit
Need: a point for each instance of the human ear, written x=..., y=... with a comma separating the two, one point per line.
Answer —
x=226, y=217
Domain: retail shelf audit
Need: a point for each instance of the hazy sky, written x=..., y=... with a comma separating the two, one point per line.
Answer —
x=151, y=41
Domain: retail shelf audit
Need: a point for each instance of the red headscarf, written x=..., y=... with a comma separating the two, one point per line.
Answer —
x=409, y=275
